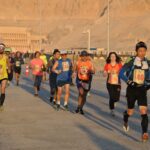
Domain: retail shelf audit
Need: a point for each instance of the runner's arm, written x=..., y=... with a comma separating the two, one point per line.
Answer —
x=93, y=70
x=127, y=67
x=8, y=65
x=74, y=69
x=54, y=69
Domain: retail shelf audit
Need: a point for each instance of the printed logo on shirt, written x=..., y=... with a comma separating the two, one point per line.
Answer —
x=37, y=68
x=84, y=70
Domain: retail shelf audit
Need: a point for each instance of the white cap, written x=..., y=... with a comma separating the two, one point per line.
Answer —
x=63, y=52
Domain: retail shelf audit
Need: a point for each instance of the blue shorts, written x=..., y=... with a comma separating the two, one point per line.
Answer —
x=37, y=81
x=61, y=83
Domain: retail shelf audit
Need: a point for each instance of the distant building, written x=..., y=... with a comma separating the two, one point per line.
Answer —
x=21, y=39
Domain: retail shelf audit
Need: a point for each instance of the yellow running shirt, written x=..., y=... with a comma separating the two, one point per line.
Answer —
x=43, y=57
x=3, y=68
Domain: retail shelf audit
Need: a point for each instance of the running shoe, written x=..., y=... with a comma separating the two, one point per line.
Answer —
x=145, y=137
x=112, y=113
x=1, y=108
x=81, y=112
x=88, y=94
x=58, y=107
x=77, y=110
x=36, y=95
x=54, y=103
x=126, y=127
x=66, y=108
x=51, y=99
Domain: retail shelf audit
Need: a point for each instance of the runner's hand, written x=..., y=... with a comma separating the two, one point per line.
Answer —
x=132, y=83
x=9, y=71
x=58, y=71
x=74, y=75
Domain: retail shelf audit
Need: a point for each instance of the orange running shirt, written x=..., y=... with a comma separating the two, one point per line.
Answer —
x=113, y=73
x=83, y=69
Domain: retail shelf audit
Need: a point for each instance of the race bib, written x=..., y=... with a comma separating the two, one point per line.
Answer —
x=65, y=66
x=18, y=64
x=113, y=78
x=139, y=76
x=37, y=68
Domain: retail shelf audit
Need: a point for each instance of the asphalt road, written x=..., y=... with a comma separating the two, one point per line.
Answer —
x=30, y=123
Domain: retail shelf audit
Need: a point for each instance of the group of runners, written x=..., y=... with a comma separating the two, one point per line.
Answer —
x=135, y=72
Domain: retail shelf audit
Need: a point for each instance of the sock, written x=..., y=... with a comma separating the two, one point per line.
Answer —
x=125, y=117
x=2, y=99
x=58, y=102
x=65, y=103
x=144, y=123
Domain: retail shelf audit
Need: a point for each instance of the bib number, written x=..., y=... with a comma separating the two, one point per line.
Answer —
x=17, y=63
x=37, y=68
x=139, y=76
x=65, y=66
x=114, y=78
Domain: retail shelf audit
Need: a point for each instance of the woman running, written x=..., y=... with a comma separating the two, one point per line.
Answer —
x=37, y=66
x=111, y=71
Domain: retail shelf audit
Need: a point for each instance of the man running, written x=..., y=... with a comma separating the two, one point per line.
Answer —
x=53, y=75
x=4, y=66
x=136, y=73
x=18, y=61
x=11, y=62
x=63, y=69
x=37, y=66
x=84, y=68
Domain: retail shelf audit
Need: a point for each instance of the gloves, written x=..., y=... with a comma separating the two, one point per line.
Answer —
x=131, y=83
x=147, y=87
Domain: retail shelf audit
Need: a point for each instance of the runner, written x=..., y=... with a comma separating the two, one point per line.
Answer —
x=37, y=66
x=4, y=65
x=111, y=71
x=53, y=76
x=136, y=73
x=18, y=61
x=84, y=68
x=11, y=62
x=44, y=58
x=63, y=69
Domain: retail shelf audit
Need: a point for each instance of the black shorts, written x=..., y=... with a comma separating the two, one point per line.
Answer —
x=17, y=70
x=52, y=82
x=3, y=80
x=85, y=85
x=10, y=75
x=114, y=92
x=62, y=83
x=138, y=94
